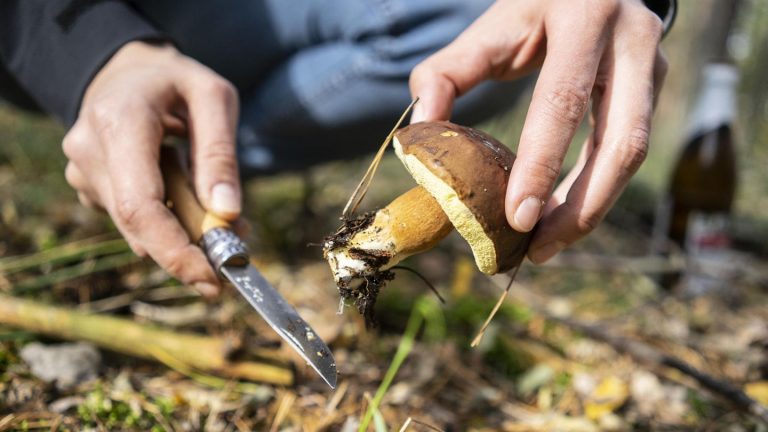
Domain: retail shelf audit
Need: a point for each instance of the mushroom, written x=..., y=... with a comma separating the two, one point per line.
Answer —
x=462, y=175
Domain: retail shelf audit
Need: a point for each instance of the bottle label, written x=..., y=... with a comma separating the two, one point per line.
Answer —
x=707, y=232
x=711, y=263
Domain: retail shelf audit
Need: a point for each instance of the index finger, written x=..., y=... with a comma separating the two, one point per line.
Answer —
x=138, y=206
x=560, y=99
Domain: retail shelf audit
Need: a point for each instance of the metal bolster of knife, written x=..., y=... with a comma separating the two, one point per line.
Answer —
x=222, y=246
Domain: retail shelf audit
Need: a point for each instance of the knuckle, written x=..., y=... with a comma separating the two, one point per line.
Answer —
x=421, y=70
x=104, y=112
x=220, y=88
x=426, y=73
x=587, y=221
x=653, y=24
x=594, y=11
x=71, y=175
x=174, y=263
x=220, y=155
x=645, y=24
x=605, y=9
x=73, y=143
x=128, y=212
x=543, y=171
x=109, y=113
x=635, y=149
x=567, y=102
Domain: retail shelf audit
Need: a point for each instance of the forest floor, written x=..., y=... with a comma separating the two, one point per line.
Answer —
x=562, y=354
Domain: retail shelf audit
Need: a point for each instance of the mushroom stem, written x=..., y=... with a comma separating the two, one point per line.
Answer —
x=414, y=222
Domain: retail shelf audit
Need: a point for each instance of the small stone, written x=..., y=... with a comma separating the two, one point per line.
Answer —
x=67, y=365
x=60, y=406
x=351, y=424
x=647, y=392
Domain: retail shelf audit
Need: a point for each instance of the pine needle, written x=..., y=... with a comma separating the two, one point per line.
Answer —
x=476, y=341
x=365, y=182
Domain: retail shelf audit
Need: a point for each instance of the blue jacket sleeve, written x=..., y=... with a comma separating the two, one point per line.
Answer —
x=51, y=49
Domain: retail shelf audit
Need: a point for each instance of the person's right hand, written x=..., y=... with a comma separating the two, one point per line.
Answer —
x=142, y=93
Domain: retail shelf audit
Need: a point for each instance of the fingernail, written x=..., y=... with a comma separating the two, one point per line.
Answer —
x=224, y=199
x=206, y=289
x=418, y=113
x=544, y=253
x=527, y=214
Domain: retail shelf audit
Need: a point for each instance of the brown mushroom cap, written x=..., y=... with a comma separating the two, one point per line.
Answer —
x=466, y=171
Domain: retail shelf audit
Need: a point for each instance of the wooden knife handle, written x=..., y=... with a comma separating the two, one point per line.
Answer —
x=181, y=198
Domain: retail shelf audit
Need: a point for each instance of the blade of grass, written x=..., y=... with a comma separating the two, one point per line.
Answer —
x=15, y=335
x=67, y=273
x=76, y=251
x=378, y=422
x=403, y=350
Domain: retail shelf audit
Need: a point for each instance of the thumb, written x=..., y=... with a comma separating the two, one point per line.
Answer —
x=213, y=111
x=444, y=76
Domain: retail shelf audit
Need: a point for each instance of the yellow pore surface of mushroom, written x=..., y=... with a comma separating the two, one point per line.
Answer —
x=459, y=214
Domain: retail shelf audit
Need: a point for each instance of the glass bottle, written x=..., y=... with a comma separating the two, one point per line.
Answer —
x=695, y=214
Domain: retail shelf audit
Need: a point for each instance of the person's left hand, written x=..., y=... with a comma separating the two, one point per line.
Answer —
x=603, y=50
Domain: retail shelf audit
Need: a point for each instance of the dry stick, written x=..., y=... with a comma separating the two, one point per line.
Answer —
x=194, y=351
x=646, y=354
x=284, y=407
x=647, y=264
x=427, y=425
x=406, y=424
x=362, y=187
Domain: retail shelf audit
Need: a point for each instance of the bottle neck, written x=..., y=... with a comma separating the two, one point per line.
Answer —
x=716, y=103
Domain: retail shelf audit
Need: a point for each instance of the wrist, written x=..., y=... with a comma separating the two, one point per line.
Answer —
x=664, y=9
x=132, y=55
x=139, y=51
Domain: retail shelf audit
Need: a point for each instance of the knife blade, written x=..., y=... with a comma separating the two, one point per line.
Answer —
x=229, y=257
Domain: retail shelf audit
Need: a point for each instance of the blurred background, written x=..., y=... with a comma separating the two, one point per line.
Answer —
x=561, y=355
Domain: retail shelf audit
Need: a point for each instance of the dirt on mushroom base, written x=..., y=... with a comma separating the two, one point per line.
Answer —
x=363, y=291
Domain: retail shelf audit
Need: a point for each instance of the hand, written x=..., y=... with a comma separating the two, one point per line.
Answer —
x=144, y=92
x=606, y=50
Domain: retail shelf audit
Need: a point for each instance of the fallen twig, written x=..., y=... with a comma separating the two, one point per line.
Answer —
x=147, y=341
x=647, y=264
x=641, y=352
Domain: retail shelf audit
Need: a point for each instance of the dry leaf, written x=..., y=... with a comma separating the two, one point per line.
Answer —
x=758, y=390
x=608, y=396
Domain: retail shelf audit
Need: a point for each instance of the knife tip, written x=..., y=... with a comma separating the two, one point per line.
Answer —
x=330, y=378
